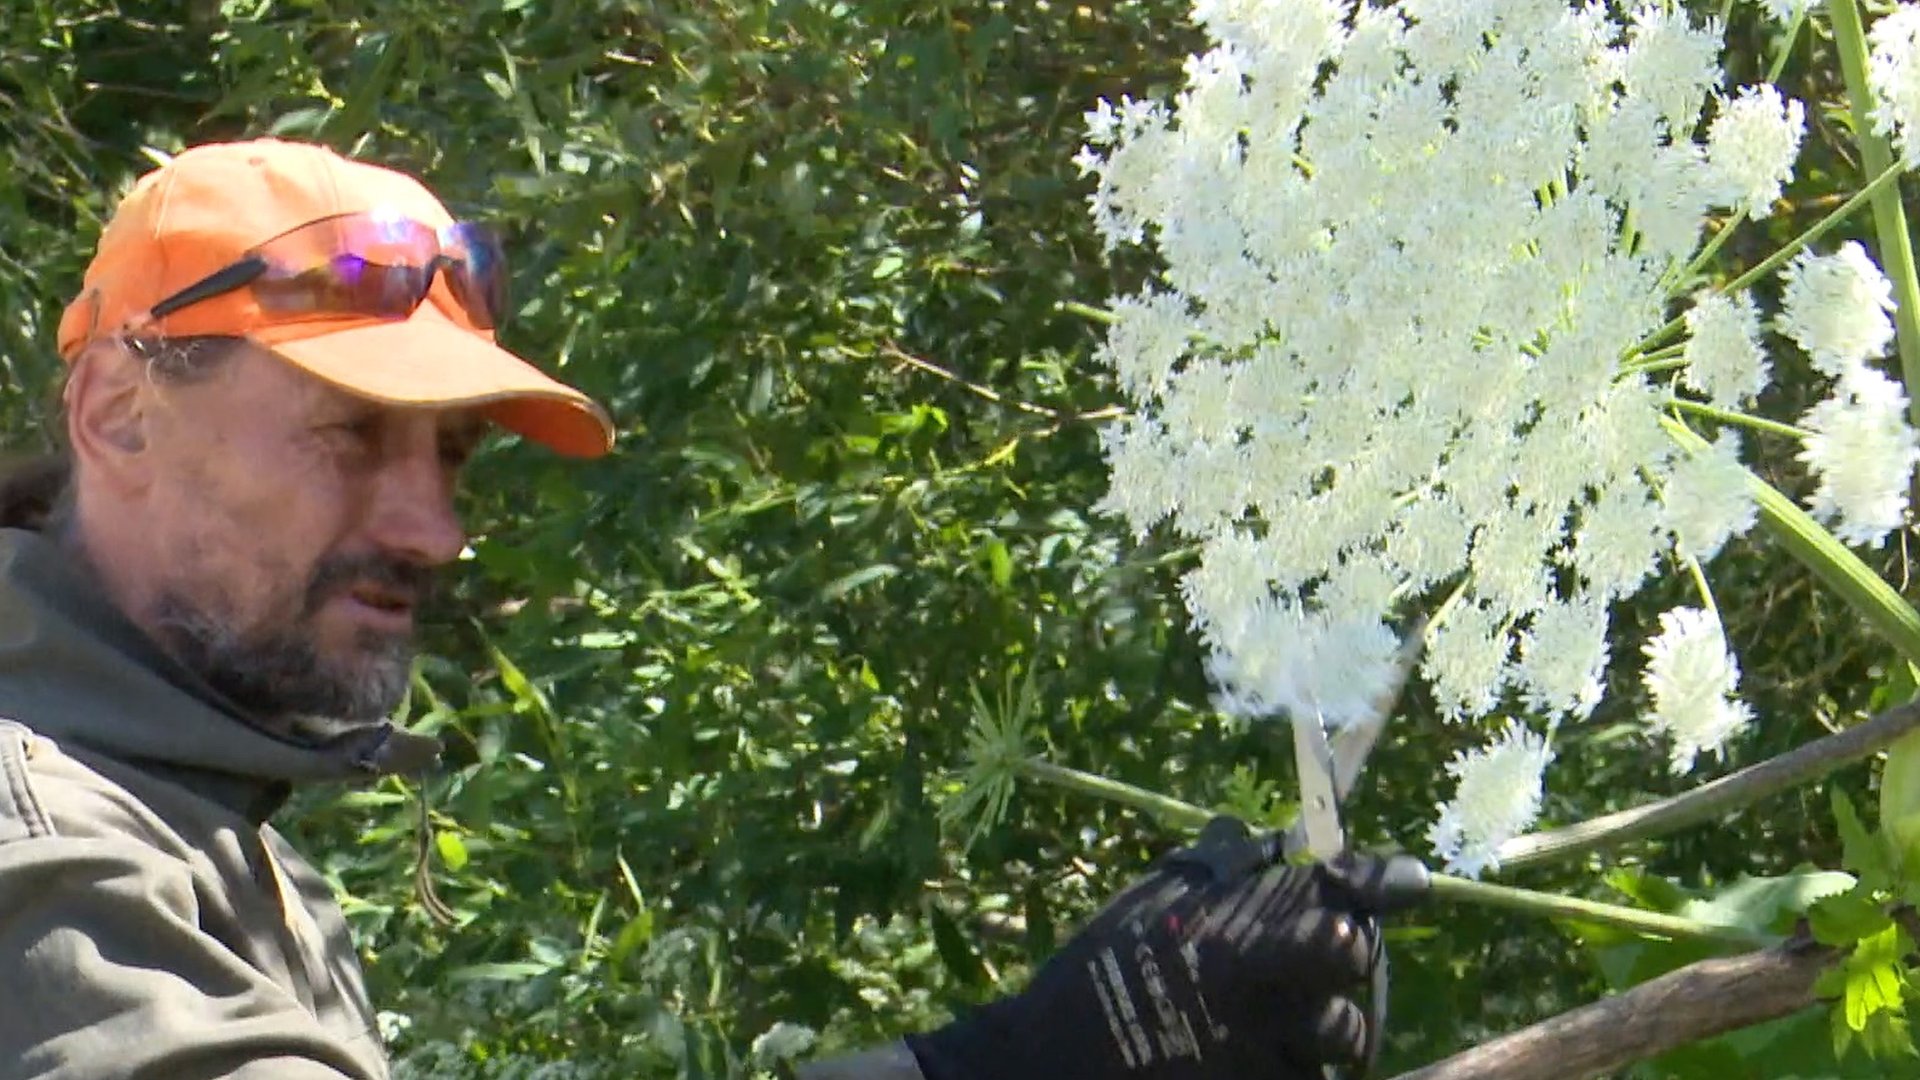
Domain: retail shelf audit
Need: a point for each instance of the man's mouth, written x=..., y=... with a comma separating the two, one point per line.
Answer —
x=394, y=605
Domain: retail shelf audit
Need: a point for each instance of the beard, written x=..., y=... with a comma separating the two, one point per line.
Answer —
x=276, y=672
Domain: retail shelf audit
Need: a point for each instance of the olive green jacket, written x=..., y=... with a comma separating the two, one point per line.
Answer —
x=151, y=923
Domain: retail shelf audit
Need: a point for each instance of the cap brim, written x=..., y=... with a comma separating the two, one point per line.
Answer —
x=428, y=360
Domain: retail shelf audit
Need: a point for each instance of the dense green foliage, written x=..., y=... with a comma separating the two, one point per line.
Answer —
x=705, y=699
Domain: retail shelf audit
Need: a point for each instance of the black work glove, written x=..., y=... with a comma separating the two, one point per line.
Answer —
x=1221, y=964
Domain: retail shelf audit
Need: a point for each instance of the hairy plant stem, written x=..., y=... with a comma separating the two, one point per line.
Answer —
x=1445, y=887
x=1870, y=596
x=1889, y=218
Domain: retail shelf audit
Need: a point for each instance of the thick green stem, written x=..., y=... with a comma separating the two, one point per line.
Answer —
x=1650, y=923
x=1889, y=218
x=1187, y=815
x=1870, y=596
x=1170, y=810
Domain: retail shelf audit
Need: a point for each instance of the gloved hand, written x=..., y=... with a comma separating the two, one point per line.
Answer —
x=1221, y=964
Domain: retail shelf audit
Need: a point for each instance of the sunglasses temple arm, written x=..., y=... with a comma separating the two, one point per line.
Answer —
x=233, y=277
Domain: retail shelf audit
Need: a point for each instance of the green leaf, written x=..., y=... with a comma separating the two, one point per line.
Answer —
x=955, y=953
x=516, y=971
x=999, y=564
x=845, y=584
x=1900, y=801
x=1768, y=903
x=1651, y=891
x=453, y=850
x=636, y=934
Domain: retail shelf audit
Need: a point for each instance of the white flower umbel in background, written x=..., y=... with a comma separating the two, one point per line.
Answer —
x=1392, y=353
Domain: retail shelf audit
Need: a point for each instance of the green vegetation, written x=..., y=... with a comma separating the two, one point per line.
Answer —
x=828, y=264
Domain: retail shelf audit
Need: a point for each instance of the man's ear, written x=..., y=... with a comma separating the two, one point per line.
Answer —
x=107, y=412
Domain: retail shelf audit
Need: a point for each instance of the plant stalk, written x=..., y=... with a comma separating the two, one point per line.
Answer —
x=1882, y=182
x=1446, y=887
x=1649, y=923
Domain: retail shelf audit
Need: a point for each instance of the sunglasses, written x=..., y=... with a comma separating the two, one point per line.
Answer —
x=372, y=264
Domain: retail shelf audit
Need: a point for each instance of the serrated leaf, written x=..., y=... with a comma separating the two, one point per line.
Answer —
x=1861, y=851
x=1767, y=903
x=1847, y=917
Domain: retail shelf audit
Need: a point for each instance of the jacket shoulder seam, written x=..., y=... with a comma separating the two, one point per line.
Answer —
x=22, y=816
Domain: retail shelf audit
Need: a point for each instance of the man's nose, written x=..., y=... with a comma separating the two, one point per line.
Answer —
x=414, y=517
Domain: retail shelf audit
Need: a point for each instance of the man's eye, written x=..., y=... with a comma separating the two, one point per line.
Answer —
x=360, y=432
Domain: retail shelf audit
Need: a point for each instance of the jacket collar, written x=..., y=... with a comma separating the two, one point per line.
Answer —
x=73, y=668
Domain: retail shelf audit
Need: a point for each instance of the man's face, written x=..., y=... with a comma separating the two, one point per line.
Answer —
x=294, y=529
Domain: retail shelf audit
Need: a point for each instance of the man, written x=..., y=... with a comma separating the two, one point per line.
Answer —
x=279, y=361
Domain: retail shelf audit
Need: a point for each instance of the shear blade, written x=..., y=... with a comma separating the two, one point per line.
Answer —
x=1319, y=796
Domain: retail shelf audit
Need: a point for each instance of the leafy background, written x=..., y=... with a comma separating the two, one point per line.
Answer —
x=705, y=699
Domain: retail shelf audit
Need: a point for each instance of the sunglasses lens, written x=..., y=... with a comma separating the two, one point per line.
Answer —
x=374, y=264
x=358, y=264
x=477, y=272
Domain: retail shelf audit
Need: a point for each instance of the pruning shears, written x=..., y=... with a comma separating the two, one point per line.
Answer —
x=1329, y=767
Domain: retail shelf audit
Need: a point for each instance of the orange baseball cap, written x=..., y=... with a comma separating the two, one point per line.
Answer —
x=205, y=209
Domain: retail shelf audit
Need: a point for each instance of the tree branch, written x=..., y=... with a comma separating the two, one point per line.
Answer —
x=907, y=359
x=1696, y=1002
x=1710, y=800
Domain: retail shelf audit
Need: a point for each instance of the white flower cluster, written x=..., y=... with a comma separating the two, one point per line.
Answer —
x=1499, y=795
x=1859, y=446
x=1405, y=250
x=1691, y=677
x=1863, y=452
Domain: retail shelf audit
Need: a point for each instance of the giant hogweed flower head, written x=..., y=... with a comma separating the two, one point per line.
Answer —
x=1338, y=377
